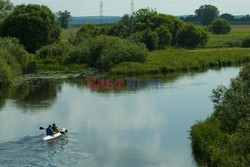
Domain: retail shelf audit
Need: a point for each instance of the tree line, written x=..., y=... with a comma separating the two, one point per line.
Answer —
x=207, y=13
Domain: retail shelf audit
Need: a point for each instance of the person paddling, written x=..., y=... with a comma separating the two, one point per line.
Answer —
x=54, y=128
x=49, y=131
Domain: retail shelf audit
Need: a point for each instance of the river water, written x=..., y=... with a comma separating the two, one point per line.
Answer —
x=120, y=128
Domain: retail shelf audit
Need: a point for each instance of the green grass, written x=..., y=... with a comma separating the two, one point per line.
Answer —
x=237, y=33
x=180, y=60
x=66, y=33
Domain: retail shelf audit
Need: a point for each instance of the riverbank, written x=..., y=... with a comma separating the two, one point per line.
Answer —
x=223, y=138
x=181, y=60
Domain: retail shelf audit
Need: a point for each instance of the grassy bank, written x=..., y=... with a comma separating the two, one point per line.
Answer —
x=176, y=60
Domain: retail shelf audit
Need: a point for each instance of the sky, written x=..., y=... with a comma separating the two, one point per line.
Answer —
x=121, y=7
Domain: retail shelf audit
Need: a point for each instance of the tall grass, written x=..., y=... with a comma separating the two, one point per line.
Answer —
x=176, y=60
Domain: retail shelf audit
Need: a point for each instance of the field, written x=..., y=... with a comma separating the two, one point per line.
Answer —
x=237, y=33
x=66, y=33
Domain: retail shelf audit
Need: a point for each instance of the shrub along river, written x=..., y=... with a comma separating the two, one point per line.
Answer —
x=106, y=128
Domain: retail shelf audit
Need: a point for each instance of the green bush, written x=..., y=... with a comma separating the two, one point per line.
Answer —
x=119, y=30
x=191, y=36
x=220, y=26
x=165, y=36
x=58, y=51
x=223, y=139
x=103, y=52
x=33, y=25
x=85, y=32
x=245, y=43
x=148, y=37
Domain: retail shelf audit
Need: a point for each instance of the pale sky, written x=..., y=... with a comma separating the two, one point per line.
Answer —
x=120, y=7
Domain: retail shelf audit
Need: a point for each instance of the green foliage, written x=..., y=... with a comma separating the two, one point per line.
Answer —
x=103, y=52
x=5, y=8
x=181, y=60
x=63, y=18
x=220, y=26
x=57, y=51
x=33, y=25
x=119, y=30
x=145, y=25
x=85, y=32
x=207, y=13
x=148, y=37
x=14, y=60
x=223, y=139
x=245, y=42
x=191, y=36
x=165, y=36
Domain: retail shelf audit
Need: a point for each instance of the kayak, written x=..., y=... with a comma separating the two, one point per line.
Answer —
x=56, y=135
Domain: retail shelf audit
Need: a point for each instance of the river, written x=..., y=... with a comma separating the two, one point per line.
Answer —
x=120, y=128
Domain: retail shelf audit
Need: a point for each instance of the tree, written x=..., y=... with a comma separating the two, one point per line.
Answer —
x=228, y=17
x=119, y=30
x=63, y=18
x=191, y=36
x=148, y=37
x=207, y=13
x=34, y=26
x=220, y=26
x=165, y=36
x=5, y=8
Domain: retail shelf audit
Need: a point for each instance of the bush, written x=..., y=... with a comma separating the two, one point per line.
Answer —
x=223, y=139
x=191, y=36
x=14, y=60
x=85, y=32
x=148, y=37
x=119, y=30
x=245, y=42
x=165, y=37
x=58, y=51
x=33, y=25
x=103, y=52
x=220, y=26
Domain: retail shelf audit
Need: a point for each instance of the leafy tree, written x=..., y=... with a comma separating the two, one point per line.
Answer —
x=207, y=13
x=63, y=18
x=119, y=30
x=33, y=25
x=165, y=36
x=148, y=37
x=86, y=31
x=228, y=17
x=5, y=8
x=220, y=26
x=191, y=36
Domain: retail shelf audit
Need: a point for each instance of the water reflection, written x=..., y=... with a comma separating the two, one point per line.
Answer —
x=115, y=128
x=31, y=95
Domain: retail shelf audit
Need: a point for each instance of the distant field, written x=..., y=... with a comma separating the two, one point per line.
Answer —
x=215, y=41
x=237, y=33
x=67, y=32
